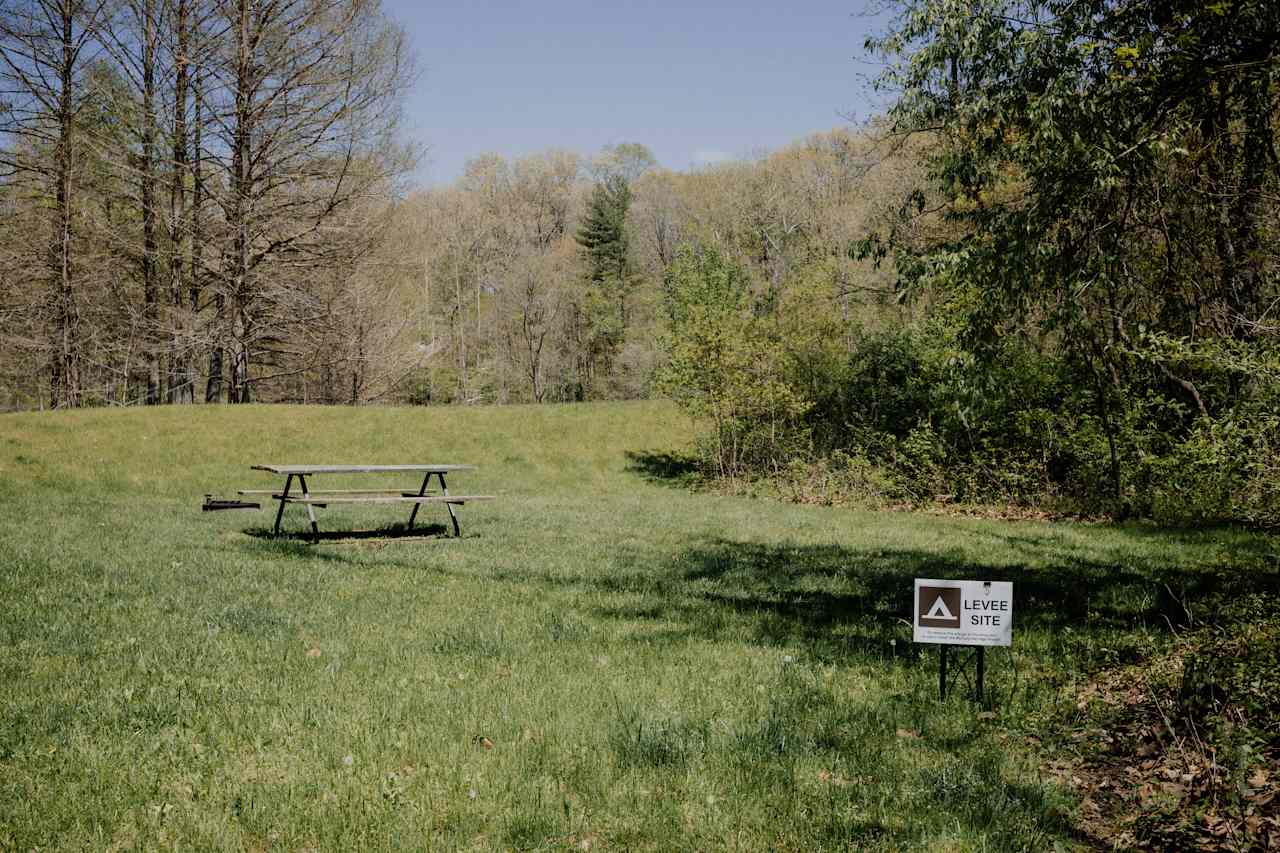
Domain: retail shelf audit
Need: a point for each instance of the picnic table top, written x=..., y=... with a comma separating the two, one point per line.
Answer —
x=358, y=469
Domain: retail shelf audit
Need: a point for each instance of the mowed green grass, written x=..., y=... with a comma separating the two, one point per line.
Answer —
x=602, y=661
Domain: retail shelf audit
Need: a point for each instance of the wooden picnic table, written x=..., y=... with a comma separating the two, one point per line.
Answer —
x=312, y=498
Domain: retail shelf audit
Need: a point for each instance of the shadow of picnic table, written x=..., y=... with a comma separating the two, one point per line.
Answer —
x=397, y=531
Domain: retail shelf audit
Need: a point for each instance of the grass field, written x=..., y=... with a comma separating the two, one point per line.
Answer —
x=603, y=661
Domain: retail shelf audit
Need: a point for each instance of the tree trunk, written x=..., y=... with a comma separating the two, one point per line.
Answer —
x=1245, y=211
x=181, y=388
x=1221, y=154
x=241, y=185
x=151, y=307
x=213, y=336
x=357, y=369
x=64, y=383
x=213, y=385
x=462, y=336
x=239, y=350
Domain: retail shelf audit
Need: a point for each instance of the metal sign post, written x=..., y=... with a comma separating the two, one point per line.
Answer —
x=945, y=671
x=978, y=689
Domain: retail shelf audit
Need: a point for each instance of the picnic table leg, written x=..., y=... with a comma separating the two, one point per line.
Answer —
x=453, y=516
x=311, y=513
x=422, y=491
x=288, y=480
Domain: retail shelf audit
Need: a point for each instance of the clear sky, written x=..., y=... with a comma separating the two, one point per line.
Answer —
x=697, y=82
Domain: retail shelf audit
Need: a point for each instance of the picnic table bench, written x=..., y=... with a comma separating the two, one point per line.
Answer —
x=312, y=498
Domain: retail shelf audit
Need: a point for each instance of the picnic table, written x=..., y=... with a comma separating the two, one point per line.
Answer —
x=313, y=498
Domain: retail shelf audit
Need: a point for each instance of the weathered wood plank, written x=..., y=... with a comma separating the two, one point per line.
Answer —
x=389, y=498
x=358, y=469
x=403, y=492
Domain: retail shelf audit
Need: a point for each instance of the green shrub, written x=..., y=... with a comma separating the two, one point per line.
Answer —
x=725, y=367
x=910, y=414
x=1223, y=470
x=842, y=477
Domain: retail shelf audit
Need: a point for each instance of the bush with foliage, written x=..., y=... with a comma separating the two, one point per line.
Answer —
x=911, y=416
x=724, y=365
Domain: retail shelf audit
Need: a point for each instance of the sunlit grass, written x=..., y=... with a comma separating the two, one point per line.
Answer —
x=602, y=660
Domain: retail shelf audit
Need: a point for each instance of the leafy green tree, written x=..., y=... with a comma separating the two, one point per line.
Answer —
x=724, y=364
x=1107, y=170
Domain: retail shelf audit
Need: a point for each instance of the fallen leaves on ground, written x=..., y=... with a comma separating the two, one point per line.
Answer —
x=1149, y=777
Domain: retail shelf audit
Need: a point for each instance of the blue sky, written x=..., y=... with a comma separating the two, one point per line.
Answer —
x=697, y=82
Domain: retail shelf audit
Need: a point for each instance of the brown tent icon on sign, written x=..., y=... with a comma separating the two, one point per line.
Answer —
x=938, y=607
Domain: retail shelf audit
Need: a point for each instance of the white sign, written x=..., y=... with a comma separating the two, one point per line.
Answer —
x=963, y=613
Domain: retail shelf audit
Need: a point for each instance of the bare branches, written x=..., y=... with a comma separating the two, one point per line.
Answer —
x=200, y=167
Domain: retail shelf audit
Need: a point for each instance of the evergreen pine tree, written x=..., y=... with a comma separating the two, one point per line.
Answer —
x=602, y=313
x=603, y=234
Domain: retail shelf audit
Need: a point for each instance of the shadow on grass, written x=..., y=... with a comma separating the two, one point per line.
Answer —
x=837, y=600
x=810, y=591
x=675, y=469
x=398, y=532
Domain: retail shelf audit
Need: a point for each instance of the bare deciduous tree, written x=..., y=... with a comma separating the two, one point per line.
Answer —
x=45, y=48
x=303, y=103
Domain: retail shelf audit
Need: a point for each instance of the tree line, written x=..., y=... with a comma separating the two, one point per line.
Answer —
x=545, y=278
x=203, y=202
x=188, y=191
